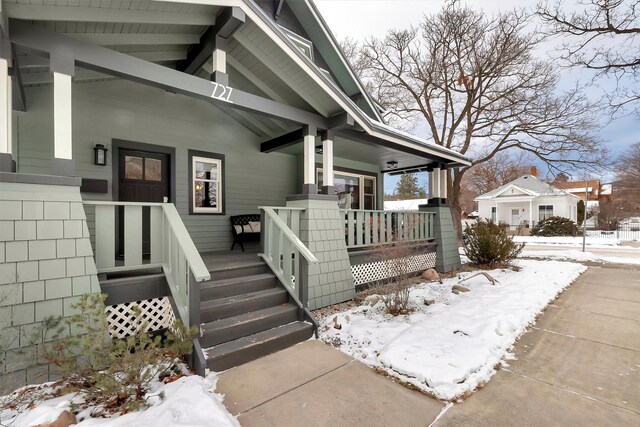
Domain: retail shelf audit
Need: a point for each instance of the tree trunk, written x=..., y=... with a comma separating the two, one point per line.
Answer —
x=454, y=202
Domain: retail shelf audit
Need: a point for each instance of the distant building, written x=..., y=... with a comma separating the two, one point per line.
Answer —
x=587, y=190
x=527, y=200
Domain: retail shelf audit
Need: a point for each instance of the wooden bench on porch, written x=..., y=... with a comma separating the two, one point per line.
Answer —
x=244, y=228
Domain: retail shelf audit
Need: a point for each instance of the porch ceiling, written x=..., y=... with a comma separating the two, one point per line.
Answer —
x=164, y=33
x=367, y=153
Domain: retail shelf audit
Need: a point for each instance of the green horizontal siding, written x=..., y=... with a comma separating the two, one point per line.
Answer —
x=118, y=109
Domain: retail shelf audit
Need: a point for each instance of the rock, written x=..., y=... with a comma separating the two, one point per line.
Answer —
x=431, y=275
x=65, y=419
x=456, y=289
x=372, y=300
x=336, y=324
x=429, y=301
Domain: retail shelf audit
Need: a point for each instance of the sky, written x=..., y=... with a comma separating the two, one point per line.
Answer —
x=359, y=19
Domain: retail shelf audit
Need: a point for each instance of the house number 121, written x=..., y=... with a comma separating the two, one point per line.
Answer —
x=221, y=92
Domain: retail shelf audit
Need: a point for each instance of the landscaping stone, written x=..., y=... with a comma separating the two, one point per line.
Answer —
x=429, y=301
x=456, y=289
x=431, y=275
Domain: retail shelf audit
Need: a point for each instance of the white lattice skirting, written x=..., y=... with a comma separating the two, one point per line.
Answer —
x=156, y=312
x=378, y=270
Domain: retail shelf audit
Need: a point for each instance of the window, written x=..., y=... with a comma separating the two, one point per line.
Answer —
x=206, y=183
x=305, y=46
x=354, y=191
x=545, y=211
x=494, y=213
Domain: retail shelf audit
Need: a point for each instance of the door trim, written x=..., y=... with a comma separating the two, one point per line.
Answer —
x=117, y=144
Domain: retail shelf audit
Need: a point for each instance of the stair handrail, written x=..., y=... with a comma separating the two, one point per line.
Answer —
x=293, y=277
x=179, y=259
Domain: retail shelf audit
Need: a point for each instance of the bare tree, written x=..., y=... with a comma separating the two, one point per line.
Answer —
x=627, y=185
x=601, y=35
x=477, y=85
x=502, y=168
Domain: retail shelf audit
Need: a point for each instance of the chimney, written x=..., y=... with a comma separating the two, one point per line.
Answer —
x=534, y=171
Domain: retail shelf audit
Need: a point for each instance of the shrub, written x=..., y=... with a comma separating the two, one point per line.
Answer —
x=554, y=226
x=394, y=291
x=489, y=246
x=113, y=373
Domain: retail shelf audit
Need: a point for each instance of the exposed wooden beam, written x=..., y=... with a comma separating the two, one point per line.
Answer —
x=282, y=141
x=122, y=39
x=227, y=23
x=98, y=14
x=19, y=99
x=46, y=77
x=160, y=55
x=114, y=63
x=341, y=121
x=272, y=65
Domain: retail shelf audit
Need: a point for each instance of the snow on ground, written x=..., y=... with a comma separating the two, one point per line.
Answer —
x=592, y=242
x=449, y=348
x=188, y=401
x=578, y=255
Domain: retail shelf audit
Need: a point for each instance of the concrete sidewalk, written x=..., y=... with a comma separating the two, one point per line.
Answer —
x=313, y=384
x=580, y=365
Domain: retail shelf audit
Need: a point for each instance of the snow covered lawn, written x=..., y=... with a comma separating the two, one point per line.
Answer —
x=188, y=401
x=451, y=347
x=593, y=242
x=633, y=256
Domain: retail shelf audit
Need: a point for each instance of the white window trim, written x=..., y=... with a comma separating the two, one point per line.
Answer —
x=544, y=206
x=361, y=178
x=199, y=209
x=300, y=42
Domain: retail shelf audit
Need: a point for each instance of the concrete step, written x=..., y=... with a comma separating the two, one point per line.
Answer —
x=246, y=349
x=231, y=328
x=249, y=269
x=222, y=308
x=213, y=289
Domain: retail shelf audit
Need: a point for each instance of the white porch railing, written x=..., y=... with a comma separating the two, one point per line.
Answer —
x=171, y=249
x=373, y=227
x=282, y=250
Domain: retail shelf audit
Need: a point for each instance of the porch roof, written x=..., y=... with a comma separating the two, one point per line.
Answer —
x=262, y=61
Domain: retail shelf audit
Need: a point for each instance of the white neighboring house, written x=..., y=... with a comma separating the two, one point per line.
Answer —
x=527, y=200
x=404, y=205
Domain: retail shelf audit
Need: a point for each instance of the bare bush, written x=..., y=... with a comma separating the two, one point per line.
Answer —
x=394, y=291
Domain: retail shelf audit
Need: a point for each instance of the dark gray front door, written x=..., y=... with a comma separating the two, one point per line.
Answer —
x=143, y=177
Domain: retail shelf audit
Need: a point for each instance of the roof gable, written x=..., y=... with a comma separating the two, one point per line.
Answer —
x=526, y=185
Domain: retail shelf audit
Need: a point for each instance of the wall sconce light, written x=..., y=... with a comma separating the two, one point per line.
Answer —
x=100, y=155
x=392, y=164
x=319, y=149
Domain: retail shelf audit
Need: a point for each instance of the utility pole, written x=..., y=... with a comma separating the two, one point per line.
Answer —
x=584, y=216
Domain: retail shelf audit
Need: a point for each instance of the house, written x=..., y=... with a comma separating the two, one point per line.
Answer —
x=588, y=190
x=404, y=205
x=525, y=201
x=130, y=134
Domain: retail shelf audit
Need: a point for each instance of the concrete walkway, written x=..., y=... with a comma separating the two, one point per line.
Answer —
x=580, y=365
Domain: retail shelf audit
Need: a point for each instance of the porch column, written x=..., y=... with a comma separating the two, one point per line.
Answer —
x=6, y=161
x=219, y=62
x=434, y=186
x=530, y=213
x=444, y=177
x=63, y=71
x=309, y=142
x=327, y=163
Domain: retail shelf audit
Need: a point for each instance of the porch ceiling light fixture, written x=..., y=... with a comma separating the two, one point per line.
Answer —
x=392, y=164
x=100, y=155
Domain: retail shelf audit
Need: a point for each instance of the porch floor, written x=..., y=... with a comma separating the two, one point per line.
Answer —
x=223, y=260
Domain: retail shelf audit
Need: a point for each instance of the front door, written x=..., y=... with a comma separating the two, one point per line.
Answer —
x=515, y=218
x=143, y=177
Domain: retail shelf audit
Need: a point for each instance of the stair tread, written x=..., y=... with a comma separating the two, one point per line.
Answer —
x=236, y=280
x=241, y=297
x=246, y=317
x=255, y=339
